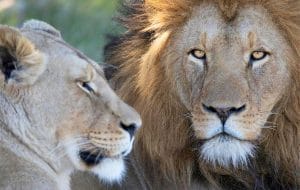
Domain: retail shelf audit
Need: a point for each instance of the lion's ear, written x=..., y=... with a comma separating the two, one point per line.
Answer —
x=20, y=62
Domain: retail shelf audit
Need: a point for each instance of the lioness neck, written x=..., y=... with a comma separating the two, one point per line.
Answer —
x=22, y=133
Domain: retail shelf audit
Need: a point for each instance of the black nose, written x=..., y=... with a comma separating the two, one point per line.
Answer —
x=224, y=113
x=131, y=129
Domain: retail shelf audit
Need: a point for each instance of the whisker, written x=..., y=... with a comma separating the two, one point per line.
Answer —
x=59, y=150
x=272, y=128
x=65, y=153
x=61, y=145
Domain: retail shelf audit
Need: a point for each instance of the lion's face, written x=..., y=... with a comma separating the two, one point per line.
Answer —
x=229, y=75
x=70, y=106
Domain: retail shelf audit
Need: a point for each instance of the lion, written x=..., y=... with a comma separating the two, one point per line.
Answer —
x=58, y=113
x=218, y=89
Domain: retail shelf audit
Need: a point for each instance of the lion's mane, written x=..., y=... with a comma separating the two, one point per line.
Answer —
x=165, y=144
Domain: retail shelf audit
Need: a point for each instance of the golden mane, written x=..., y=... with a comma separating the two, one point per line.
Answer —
x=166, y=142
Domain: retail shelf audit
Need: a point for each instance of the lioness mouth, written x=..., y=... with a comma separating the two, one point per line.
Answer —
x=90, y=159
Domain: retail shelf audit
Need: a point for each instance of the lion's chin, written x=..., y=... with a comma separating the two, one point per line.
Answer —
x=110, y=170
x=107, y=169
x=227, y=151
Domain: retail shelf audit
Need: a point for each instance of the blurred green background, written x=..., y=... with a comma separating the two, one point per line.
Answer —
x=83, y=23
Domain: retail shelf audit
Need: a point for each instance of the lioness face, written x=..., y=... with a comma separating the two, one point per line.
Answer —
x=229, y=75
x=99, y=130
x=73, y=114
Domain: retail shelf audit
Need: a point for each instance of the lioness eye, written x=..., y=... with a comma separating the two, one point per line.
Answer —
x=258, y=55
x=198, y=54
x=87, y=86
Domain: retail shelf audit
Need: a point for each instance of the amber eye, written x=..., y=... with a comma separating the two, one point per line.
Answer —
x=258, y=55
x=198, y=54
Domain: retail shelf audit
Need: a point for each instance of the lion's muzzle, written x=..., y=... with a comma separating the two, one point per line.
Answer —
x=90, y=158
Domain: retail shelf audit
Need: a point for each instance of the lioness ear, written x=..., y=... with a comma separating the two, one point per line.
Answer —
x=41, y=26
x=20, y=62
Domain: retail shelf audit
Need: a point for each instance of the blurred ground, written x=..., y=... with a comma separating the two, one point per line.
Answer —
x=83, y=23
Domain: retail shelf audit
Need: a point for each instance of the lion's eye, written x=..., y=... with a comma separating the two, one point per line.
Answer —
x=258, y=55
x=198, y=54
x=86, y=86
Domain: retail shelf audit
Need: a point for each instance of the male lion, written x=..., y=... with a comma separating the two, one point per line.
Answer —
x=57, y=113
x=217, y=84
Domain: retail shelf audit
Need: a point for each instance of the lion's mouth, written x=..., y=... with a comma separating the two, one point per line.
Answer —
x=225, y=137
x=90, y=159
x=91, y=156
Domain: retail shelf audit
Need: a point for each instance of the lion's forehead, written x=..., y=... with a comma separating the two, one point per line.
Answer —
x=208, y=20
x=205, y=19
x=257, y=20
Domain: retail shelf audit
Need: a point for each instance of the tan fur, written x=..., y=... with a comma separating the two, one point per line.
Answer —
x=25, y=52
x=47, y=115
x=165, y=150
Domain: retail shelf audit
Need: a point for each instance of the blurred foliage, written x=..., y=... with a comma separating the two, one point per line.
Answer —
x=83, y=23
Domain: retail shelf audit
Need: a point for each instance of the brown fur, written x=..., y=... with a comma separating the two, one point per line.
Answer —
x=165, y=143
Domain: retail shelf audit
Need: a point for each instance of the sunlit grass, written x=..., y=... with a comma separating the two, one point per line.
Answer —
x=84, y=24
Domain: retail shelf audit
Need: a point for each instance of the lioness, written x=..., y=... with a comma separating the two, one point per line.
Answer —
x=57, y=113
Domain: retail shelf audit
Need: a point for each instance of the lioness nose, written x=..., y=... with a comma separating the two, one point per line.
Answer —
x=224, y=113
x=131, y=129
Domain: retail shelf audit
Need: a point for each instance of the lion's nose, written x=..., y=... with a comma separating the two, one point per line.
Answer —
x=131, y=128
x=224, y=113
